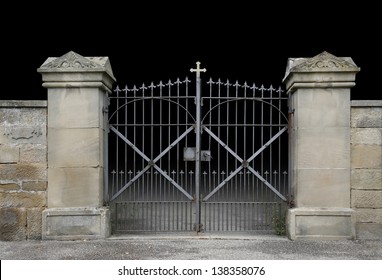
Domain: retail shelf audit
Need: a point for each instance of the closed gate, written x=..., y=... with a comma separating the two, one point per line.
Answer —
x=182, y=161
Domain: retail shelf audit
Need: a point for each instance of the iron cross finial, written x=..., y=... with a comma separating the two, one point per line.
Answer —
x=198, y=70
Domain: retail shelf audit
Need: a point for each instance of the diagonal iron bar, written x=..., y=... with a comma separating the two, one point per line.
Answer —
x=226, y=180
x=267, y=144
x=129, y=143
x=151, y=164
x=222, y=143
x=244, y=163
x=266, y=183
x=173, y=182
x=136, y=177
x=173, y=144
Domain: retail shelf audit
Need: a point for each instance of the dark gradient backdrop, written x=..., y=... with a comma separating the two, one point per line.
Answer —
x=148, y=42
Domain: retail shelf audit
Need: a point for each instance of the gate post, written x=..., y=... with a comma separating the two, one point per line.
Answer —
x=319, y=147
x=77, y=94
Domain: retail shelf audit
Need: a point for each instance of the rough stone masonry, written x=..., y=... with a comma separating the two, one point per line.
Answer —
x=23, y=168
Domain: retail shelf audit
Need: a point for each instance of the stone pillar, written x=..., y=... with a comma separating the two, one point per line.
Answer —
x=77, y=91
x=319, y=147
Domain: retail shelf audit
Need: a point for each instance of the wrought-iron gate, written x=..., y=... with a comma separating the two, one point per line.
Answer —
x=182, y=161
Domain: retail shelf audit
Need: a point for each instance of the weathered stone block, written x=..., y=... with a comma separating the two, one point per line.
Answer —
x=9, y=187
x=311, y=102
x=75, y=147
x=366, y=117
x=323, y=147
x=23, y=172
x=13, y=224
x=23, y=116
x=369, y=215
x=366, y=136
x=23, y=199
x=367, y=179
x=34, y=116
x=33, y=134
x=323, y=188
x=33, y=154
x=34, y=223
x=75, y=187
x=9, y=154
x=10, y=116
x=75, y=107
x=366, y=199
x=320, y=223
x=34, y=185
x=76, y=223
x=366, y=156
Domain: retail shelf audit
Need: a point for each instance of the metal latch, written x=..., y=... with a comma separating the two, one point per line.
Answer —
x=189, y=154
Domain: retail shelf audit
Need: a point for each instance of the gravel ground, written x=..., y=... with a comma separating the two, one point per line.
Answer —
x=173, y=247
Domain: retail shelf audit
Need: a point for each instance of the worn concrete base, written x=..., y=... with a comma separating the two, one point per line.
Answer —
x=75, y=223
x=320, y=223
x=370, y=231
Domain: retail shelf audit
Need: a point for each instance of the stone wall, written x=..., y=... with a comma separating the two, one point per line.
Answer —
x=366, y=167
x=23, y=168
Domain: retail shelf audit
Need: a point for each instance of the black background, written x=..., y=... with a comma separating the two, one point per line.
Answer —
x=152, y=42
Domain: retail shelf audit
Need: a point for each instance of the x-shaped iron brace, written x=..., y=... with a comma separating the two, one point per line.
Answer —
x=244, y=163
x=152, y=163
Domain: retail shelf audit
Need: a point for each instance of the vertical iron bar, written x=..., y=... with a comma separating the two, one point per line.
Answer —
x=211, y=205
x=152, y=142
x=251, y=176
x=236, y=199
x=143, y=145
x=227, y=125
x=186, y=145
x=253, y=136
x=245, y=137
x=257, y=199
x=269, y=192
x=160, y=149
x=270, y=134
x=262, y=140
x=177, y=136
x=117, y=141
x=237, y=180
x=156, y=198
x=262, y=128
x=218, y=122
x=134, y=140
x=126, y=147
x=236, y=115
x=197, y=150
x=169, y=129
x=198, y=143
x=209, y=143
x=279, y=142
x=171, y=188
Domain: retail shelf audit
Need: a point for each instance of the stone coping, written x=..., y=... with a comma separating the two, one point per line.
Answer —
x=22, y=103
x=366, y=103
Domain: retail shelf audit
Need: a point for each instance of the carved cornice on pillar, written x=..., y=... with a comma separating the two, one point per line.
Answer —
x=325, y=62
x=322, y=70
x=66, y=68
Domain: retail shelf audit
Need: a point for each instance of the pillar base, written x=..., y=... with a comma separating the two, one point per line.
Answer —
x=75, y=223
x=315, y=223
